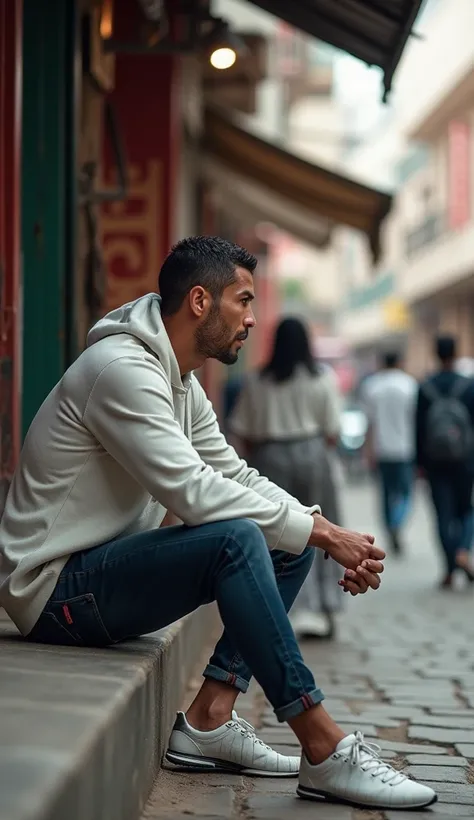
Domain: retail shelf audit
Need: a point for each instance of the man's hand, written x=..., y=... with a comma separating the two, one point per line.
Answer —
x=347, y=548
x=365, y=577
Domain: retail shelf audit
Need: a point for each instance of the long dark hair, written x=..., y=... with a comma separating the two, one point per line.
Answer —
x=290, y=348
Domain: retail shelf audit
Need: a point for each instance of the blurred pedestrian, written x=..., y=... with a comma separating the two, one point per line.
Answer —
x=389, y=397
x=287, y=417
x=230, y=395
x=445, y=453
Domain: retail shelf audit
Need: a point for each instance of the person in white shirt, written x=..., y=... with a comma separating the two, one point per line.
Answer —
x=286, y=417
x=127, y=434
x=389, y=397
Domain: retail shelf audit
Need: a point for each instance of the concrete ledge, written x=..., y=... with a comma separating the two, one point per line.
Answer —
x=82, y=731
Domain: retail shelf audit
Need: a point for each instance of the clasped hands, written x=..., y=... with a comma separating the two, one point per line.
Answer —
x=356, y=552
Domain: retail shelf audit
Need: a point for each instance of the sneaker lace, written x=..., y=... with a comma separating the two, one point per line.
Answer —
x=367, y=756
x=247, y=730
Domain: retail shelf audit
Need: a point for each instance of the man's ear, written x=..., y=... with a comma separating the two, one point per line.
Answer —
x=199, y=301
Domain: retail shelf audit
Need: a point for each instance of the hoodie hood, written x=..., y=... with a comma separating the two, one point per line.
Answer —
x=141, y=319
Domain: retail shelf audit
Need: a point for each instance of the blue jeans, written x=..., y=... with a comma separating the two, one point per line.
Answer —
x=451, y=492
x=396, y=485
x=140, y=583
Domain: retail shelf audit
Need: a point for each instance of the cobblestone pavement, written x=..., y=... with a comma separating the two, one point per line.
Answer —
x=401, y=670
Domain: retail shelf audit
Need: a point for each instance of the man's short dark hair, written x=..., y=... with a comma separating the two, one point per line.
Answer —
x=208, y=261
x=446, y=348
x=391, y=358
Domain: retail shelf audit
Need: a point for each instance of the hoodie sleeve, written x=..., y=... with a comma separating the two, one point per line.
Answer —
x=213, y=448
x=130, y=412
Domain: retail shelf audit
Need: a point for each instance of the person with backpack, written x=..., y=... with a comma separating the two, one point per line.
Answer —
x=445, y=455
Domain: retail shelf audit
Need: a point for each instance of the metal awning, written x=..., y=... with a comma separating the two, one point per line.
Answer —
x=375, y=31
x=318, y=193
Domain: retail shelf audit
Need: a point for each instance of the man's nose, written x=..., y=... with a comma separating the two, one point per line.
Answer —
x=250, y=320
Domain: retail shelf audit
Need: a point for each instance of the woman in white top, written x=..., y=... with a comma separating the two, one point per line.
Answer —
x=286, y=417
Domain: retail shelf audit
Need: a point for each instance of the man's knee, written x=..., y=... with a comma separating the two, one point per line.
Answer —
x=247, y=539
x=246, y=531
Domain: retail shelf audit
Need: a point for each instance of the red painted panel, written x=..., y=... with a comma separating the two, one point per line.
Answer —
x=137, y=233
x=10, y=146
x=459, y=173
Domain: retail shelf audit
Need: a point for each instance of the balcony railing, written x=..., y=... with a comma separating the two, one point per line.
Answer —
x=424, y=234
x=378, y=290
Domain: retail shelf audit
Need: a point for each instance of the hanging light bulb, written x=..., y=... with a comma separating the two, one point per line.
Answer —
x=222, y=58
x=106, y=19
x=225, y=48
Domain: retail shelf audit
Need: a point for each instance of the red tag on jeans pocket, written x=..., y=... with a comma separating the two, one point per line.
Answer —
x=67, y=614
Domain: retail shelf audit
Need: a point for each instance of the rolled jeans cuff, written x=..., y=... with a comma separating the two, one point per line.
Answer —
x=297, y=707
x=216, y=673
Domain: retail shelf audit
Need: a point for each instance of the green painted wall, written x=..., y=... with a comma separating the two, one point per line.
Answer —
x=48, y=191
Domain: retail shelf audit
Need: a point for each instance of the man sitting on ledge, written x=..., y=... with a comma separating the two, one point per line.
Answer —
x=127, y=434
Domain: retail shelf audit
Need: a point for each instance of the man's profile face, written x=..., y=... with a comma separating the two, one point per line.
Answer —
x=223, y=332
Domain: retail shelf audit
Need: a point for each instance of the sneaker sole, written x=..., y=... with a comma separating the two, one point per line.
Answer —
x=210, y=764
x=312, y=794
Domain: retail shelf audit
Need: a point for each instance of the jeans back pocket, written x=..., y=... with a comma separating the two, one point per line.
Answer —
x=72, y=622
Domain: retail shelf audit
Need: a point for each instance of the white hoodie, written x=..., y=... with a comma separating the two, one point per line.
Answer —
x=121, y=439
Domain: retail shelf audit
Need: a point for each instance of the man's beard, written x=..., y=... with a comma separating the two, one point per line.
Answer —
x=214, y=339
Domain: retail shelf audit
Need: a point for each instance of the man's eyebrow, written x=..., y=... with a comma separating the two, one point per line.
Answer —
x=248, y=294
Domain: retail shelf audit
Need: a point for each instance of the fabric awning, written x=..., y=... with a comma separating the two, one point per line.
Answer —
x=251, y=202
x=319, y=193
x=375, y=31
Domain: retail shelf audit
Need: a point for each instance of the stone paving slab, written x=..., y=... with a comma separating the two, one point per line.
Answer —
x=263, y=807
x=395, y=712
x=432, y=760
x=440, y=774
x=434, y=690
x=445, y=673
x=187, y=815
x=465, y=749
x=451, y=713
x=207, y=802
x=273, y=785
x=439, y=735
x=440, y=811
x=451, y=722
x=188, y=784
x=372, y=719
x=420, y=700
x=453, y=793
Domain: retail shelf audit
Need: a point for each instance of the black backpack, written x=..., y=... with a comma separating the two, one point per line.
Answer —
x=449, y=436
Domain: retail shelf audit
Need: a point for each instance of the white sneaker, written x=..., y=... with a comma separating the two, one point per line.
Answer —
x=311, y=624
x=356, y=775
x=233, y=747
